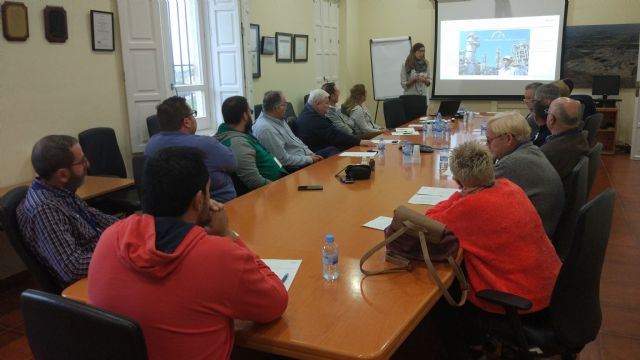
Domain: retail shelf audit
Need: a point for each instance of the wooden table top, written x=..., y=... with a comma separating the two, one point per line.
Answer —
x=354, y=316
x=93, y=186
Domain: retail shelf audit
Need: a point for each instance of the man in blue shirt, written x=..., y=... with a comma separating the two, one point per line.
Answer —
x=178, y=126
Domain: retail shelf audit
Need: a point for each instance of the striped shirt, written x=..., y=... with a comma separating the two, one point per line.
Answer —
x=61, y=229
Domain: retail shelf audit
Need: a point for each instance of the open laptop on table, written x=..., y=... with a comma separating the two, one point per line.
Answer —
x=448, y=108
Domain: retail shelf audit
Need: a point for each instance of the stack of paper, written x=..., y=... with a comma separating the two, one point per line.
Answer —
x=285, y=269
x=370, y=153
x=431, y=195
x=405, y=131
x=379, y=223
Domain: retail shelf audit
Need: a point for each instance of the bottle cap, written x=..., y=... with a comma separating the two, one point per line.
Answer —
x=329, y=238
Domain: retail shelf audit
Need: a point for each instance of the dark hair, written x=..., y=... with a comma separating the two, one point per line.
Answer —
x=533, y=86
x=51, y=153
x=232, y=109
x=356, y=92
x=171, y=112
x=410, y=62
x=569, y=83
x=170, y=180
x=271, y=100
x=329, y=87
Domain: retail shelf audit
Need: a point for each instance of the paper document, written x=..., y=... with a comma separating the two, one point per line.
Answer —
x=359, y=153
x=377, y=141
x=285, y=269
x=415, y=125
x=406, y=129
x=379, y=223
x=404, y=133
x=437, y=191
x=431, y=195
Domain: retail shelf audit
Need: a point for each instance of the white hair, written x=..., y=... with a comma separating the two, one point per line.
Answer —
x=317, y=95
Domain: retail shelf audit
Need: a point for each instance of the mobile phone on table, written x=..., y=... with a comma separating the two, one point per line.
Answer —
x=309, y=187
x=346, y=180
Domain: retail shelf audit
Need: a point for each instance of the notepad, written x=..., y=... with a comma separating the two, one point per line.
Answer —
x=360, y=154
x=377, y=141
x=404, y=133
x=285, y=269
x=427, y=195
x=379, y=223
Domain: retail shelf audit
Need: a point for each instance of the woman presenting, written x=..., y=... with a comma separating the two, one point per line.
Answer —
x=415, y=76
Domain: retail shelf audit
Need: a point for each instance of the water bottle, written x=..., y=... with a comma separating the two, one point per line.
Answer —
x=330, y=258
x=407, y=152
x=381, y=147
x=437, y=129
x=444, y=160
x=447, y=129
x=416, y=154
x=439, y=117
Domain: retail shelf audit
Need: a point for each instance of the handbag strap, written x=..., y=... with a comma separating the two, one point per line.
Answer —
x=405, y=265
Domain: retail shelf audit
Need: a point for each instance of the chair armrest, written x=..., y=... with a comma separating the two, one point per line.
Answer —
x=504, y=299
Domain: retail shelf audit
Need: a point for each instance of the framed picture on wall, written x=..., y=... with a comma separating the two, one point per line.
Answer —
x=283, y=47
x=254, y=49
x=268, y=45
x=102, y=31
x=55, y=24
x=300, y=48
x=15, y=22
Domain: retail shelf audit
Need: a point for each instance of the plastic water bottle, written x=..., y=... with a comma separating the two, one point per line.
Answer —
x=416, y=154
x=381, y=147
x=447, y=129
x=407, y=152
x=425, y=131
x=444, y=160
x=439, y=117
x=330, y=258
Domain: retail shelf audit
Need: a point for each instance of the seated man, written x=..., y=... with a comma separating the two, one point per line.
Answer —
x=317, y=131
x=517, y=159
x=60, y=228
x=178, y=126
x=256, y=166
x=567, y=144
x=504, y=242
x=177, y=270
x=529, y=96
x=340, y=121
x=276, y=135
x=545, y=94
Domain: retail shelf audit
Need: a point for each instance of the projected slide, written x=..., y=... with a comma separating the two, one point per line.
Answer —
x=499, y=49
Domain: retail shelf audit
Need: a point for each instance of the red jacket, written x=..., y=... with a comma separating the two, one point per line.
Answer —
x=505, y=246
x=186, y=301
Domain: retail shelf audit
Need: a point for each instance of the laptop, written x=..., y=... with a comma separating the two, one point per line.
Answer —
x=448, y=108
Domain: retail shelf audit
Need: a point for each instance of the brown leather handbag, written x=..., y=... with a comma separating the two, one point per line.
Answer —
x=413, y=236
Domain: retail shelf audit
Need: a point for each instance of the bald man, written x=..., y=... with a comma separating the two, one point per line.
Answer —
x=567, y=144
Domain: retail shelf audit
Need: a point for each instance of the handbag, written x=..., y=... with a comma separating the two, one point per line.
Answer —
x=358, y=172
x=413, y=236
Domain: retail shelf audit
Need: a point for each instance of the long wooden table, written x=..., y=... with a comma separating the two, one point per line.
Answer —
x=354, y=317
x=93, y=186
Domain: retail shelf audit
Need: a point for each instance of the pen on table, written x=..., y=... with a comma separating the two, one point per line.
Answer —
x=284, y=278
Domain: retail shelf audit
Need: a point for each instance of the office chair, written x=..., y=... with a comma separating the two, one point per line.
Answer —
x=153, y=125
x=290, y=112
x=8, y=205
x=59, y=328
x=306, y=98
x=574, y=314
x=393, y=113
x=592, y=124
x=415, y=106
x=594, y=163
x=257, y=109
x=100, y=146
x=575, y=197
x=137, y=162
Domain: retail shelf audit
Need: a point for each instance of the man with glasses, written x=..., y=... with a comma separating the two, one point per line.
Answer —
x=529, y=96
x=544, y=95
x=178, y=127
x=58, y=226
x=256, y=166
x=517, y=159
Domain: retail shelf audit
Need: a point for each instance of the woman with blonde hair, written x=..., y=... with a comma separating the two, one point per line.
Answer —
x=364, y=123
x=415, y=75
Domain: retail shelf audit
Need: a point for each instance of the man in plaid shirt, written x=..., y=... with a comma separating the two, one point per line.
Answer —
x=58, y=226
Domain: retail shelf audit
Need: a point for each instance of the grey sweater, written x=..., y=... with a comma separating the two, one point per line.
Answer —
x=529, y=168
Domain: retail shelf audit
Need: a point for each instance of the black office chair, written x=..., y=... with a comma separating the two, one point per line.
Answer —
x=574, y=315
x=137, y=162
x=594, y=163
x=290, y=112
x=153, y=125
x=393, y=113
x=306, y=98
x=8, y=205
x=592, y=124
x=575, y=197
x=415, y=106
x=257, y=109
x=59, y=328
x=240, y=187
x=100, y=146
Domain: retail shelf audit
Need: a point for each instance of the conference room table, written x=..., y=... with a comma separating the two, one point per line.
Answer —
x=355, y=316
x=93, y=186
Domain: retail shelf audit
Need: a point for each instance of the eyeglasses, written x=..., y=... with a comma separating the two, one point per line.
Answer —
x=82, y=161
x=194, y=113
x=489, y=140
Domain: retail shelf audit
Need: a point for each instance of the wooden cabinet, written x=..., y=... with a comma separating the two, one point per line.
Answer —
x=607, y=132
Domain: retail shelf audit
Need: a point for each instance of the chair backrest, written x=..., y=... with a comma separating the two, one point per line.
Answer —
x=137, y=162
x=393, y=113
x=306, y=98
x=415, y=106
x=290, y=112
x=8, y=205
x=257, y=109
x=153, y=125
x=576, y=196
x=594, y=162
x=575, y=302
x=292, y=122
x=100, y=146
x=59, y=328
x=592, y=124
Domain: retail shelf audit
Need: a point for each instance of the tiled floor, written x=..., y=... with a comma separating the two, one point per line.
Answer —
x=619, y=336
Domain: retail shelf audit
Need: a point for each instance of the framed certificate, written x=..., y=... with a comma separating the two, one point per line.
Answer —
x=283, y=47
x=102, y=31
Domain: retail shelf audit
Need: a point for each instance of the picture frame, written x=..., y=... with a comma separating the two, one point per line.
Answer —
x=300, y=48
x=254, y=49
x=55, y=24
x=102, y=31
x=268, y=45
x=283, y=47
x=15, y=21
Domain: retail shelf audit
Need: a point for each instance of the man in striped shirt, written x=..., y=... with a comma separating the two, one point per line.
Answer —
x=58, y=226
